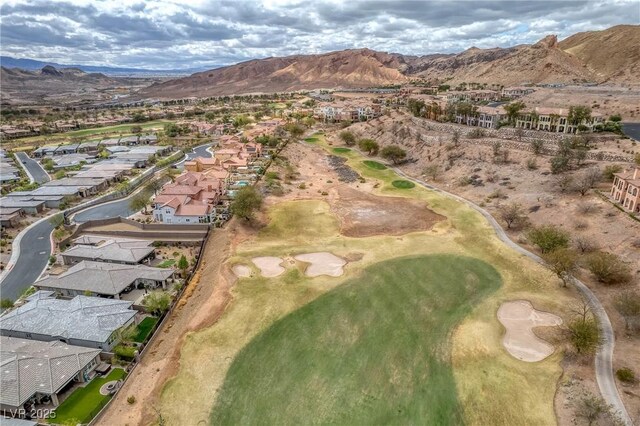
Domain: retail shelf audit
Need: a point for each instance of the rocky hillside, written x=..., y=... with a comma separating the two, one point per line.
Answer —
x=611, y=55
x=345, y=69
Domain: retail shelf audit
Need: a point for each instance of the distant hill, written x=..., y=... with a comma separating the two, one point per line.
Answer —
x=31, y=64
x=610, y=56
x=62, y=85
x=347, y=69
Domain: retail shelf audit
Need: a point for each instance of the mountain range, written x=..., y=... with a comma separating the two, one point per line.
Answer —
x=608, y=56
x=34, y=65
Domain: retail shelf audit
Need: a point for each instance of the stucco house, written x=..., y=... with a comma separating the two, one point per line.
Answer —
x=626, y=190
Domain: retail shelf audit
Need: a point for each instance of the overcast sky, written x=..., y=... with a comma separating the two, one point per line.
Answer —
x=169, y=34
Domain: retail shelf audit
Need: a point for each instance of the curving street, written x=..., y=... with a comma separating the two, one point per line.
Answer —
x=35, y=172
x=33, y=245
x=604, y=356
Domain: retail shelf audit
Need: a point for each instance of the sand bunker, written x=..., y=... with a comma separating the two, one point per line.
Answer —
x=322, y=263
x=241, y=271
x=269, y=266
x=519, y=317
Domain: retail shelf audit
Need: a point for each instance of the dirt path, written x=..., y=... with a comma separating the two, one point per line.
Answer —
x=201, y=305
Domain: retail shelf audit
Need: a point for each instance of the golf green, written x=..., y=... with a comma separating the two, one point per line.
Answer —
x=375, y=350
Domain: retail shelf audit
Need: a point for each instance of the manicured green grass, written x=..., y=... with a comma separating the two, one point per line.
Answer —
x=84, y=403
x=403, y=184
x=341, y=150
x=144, y=328
x=374, y=165
x=312, y=139
x=376, y=350
x=167, y=263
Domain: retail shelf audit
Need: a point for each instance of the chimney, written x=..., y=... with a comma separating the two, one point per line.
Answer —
x=636, y=172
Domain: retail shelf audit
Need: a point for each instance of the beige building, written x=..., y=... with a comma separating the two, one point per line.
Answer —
x=626, y=190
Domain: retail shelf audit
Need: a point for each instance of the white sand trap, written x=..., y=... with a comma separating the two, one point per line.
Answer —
x=519, y=317
x=322, y=263
x=269, y=266
x=241, y=271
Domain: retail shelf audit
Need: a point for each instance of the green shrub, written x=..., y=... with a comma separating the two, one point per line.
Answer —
x=608, y=268
x=548, y=238
x=626, y=375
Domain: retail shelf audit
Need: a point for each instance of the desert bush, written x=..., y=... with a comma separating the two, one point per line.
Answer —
x=464, y=181
x=580, y=224
x=348, y=138
x=608, y=268
x=584, y=244
x=548, y=238
x=513, y=215
x=584, y=332
x=628, y=305
x=626, y=375
x=131, y=399
x=532, y=164
x=563, y=262
x=564, y=183
x=586, y=207
x=537, y=146
x=610, y=170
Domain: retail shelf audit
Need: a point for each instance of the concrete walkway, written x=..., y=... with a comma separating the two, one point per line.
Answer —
x=604, y=356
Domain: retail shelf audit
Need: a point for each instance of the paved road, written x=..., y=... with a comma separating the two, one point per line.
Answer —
x=34, y=170
x=121, y=207
x=35, y=249
x=632, y=130
x=604, y=356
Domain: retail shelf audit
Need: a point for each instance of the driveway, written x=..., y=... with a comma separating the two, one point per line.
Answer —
x=32, y=167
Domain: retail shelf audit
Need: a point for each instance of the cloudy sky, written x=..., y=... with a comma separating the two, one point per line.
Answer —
x=171, y=34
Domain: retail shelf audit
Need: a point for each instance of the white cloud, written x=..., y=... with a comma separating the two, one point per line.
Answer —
x=184, y=34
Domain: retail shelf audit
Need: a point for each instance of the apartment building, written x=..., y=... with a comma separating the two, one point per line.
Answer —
x=626, y=190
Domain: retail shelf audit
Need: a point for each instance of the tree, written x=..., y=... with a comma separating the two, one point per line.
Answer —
x=171, y=129
x=241, y=121
x=610, y=171
x=587, y=180
x=416, y=107
x=183, y=265
x=433, y=171
x=137, y=129
x=616, y=118
x=548, y=238
x=578, y=114
x=513, y=215
x=139, y=202
x=513, y=110
x=295, y=130
x=608, y=268
x=246, y=202
x=348, y=138
x=584, y=244
x=393, y=153
x=563, y=262
x=154, y=186
x=628, y=304
x=6, y=304
x=157, y=302
x=369, y=145
x=584, y=332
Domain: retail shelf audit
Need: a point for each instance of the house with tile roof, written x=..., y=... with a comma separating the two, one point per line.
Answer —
x=35, y=372
x=86, y=321
x=104, y=279
x=112, y=250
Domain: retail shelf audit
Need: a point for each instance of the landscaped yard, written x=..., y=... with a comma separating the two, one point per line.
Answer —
x=84, y=403
x=312, y=139
x=376, y=350
x=167, y=263
x=144, y=328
